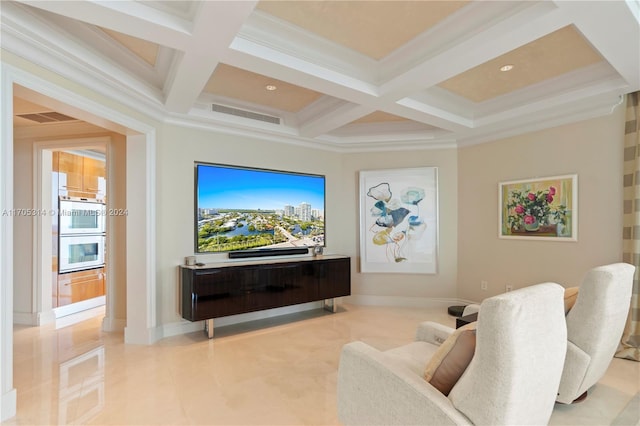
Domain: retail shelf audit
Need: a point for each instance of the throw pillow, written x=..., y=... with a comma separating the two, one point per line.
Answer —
x=570, y=296
x=451, y=359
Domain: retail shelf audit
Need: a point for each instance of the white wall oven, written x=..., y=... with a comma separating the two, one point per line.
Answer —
x=79, y=252
x=81, y=234
x=81, y=216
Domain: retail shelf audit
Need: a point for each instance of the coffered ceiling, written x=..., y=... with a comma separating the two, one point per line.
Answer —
x=345, y=75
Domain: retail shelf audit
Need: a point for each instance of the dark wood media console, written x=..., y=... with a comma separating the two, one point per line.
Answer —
x=218, y=290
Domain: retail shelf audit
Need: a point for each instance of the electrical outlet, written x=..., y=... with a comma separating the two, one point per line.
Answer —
x=508, y=287
x=484, y=285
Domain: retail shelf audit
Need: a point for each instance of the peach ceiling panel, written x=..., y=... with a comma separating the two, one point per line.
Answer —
x=333, y=61
x=236, y=83
x=553, y=55
x=374, y=28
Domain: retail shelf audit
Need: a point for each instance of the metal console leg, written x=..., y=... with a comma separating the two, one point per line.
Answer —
x=208, y=328
x=330, y=305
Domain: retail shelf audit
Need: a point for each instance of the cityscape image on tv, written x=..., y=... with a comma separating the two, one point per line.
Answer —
x=242, y=209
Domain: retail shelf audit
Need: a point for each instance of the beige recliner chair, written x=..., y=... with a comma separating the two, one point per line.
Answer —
x=512, y=378
x=594, y=327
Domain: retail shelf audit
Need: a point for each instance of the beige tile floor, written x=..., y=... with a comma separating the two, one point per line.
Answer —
x=280, y=371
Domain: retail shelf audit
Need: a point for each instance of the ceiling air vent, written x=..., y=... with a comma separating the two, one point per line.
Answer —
x=246, y=114
x=47, y=117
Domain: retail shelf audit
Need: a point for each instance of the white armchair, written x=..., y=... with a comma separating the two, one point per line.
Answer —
x=473, y=308
x=512, y=379
x=594, y=327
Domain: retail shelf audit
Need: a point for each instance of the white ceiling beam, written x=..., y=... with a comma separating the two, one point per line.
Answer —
x=496, y=40
x=263, y=60
x=228, y=32
x=615, y=34
x=251, y=55
x=333, y=119
x=254, y=57
x=214, y=27
x=521, y=28
x=431, y=115
x=267, y=30
x=131, y=17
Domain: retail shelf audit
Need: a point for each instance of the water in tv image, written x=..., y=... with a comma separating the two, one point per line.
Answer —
x=240, y=208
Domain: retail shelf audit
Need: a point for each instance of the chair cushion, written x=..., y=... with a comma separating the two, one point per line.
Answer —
x=570, y=296
x=412, y=355
x=452, y=358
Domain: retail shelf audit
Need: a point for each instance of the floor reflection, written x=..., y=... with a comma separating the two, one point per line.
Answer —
x=280, y=371
x=81, y=391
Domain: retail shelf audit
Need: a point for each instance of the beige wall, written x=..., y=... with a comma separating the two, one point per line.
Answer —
x=179, y=147
x=593, y=150
x=117, y=227
x=23, y=262
x=437, y=286
x=469, y=249
x=176, y=203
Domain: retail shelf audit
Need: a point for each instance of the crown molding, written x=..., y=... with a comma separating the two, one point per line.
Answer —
x=281, y=36
x=28, y=41
x=561, y=114
x=463, y=25
x=27, y=37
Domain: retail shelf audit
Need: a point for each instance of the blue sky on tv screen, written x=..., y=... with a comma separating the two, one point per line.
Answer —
x=237, y=188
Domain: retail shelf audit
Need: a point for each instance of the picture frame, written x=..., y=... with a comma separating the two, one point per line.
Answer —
x=543, y=208
x=399, y=220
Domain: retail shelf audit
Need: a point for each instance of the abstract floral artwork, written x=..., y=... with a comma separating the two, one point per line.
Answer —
x=399, y=220
x=543, y=208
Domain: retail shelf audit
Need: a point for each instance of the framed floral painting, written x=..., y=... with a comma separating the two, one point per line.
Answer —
x=539, y=209
x=399, y=220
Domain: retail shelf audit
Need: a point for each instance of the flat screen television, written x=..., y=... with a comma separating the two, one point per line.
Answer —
x=246, y=209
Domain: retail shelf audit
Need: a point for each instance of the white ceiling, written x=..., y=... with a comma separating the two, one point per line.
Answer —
x=350, y=75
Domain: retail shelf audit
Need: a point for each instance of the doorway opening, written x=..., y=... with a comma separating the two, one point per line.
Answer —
x=136, y=311
x=73, y=236
x=74, y=188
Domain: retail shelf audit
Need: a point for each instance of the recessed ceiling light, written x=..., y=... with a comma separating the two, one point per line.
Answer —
x=505, y=68
x=271, y=87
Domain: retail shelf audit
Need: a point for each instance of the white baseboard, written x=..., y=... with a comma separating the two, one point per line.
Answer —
x=33, y=318
x=404, y=301
x=9, y=405
x=71, y=319
x=268, y=313
x=84, y=305
x=141, y=336
x=45, y=317
x=25, y=318
x=184, y=327
x=48, y=317
x=113, y=324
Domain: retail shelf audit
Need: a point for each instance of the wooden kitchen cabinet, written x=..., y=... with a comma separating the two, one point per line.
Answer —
x=79, y=176
x=93, y=170
x=71, y=166
x=81, y=285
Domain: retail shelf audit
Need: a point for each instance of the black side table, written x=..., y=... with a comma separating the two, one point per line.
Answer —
x=466, y=319
x=456, y=311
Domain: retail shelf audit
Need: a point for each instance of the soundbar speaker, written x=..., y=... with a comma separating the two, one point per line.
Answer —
x=267, y=252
